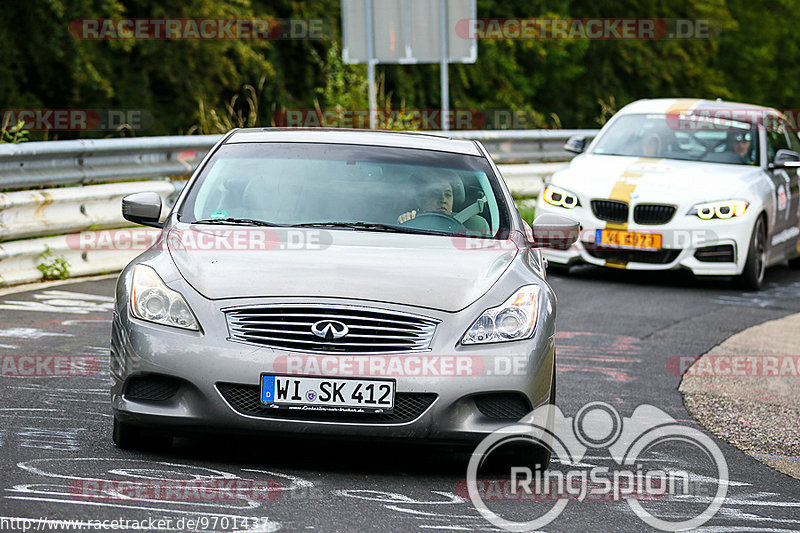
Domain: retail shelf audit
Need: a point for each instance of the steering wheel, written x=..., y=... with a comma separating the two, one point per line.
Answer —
x=437, y=221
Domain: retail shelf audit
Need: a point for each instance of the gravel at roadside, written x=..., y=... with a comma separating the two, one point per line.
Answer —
x=752, y=401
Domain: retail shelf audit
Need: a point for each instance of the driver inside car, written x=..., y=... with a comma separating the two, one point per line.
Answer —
x=437, y=197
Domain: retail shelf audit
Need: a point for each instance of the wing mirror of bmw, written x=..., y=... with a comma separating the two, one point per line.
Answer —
x=143, y=208
x=555, y=231
x=786, y=159
x=576, y=144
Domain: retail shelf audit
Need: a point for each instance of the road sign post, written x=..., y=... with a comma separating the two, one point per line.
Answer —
x=407, y=32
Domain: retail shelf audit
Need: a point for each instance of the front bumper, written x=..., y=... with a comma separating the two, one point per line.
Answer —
x=682, y=237
x=215, y=379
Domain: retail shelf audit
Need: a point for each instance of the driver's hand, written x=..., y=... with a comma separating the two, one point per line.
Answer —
x=405, y=217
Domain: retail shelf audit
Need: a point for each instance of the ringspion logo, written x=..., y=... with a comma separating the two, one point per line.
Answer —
x=635, y=477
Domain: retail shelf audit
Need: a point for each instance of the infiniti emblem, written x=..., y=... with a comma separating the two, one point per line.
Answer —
x=329, y=329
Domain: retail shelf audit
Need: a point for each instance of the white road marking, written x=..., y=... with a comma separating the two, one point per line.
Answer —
x=62, y=302
x=64, y=439
x=30, y=333
x=393, y=497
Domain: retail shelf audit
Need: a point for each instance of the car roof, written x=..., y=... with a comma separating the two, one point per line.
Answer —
x=685, y=105
x=424, y=141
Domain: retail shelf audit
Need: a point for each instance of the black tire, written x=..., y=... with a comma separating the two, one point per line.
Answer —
x=129, y=437
x=126, y=436
x=533, y=456
x=752, y=276
x=794, y=263
x=557, y=268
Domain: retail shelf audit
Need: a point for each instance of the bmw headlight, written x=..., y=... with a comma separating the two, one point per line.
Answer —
x=560, y=197
x=153, y=301
x=723, y=209
x=515, y=319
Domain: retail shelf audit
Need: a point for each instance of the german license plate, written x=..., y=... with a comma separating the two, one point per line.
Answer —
x=628, y=239
x=327, y=394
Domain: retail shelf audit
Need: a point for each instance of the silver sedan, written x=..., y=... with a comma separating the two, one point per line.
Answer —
x=336, y=283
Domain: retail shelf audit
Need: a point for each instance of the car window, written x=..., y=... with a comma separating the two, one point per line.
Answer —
x=304, y=183
x=685, y=137
x=776, y=138
x=794, y=141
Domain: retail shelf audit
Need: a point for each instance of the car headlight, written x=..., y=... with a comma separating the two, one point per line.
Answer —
x=153, y=301
x=560, y=197
x=722, y=209
x=515, y=319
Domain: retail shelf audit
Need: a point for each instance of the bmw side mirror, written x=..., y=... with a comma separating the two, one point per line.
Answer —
x=555, y=231
x=143, y=208
x=576, y=144
x=786, y=159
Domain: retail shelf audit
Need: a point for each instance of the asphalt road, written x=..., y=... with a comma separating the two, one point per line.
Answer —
x=620, y=334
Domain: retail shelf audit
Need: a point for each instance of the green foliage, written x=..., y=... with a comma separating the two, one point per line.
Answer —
x=201, y=86
x=527, y=209
x=52, y=267
x=13, y=134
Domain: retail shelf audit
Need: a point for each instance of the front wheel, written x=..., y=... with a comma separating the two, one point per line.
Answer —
x=535, y=456
x=129, y=437
x=559, y=269
x=752, y=276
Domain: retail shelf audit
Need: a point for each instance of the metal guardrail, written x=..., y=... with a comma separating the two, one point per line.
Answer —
x=54, y=216
x=39, y=164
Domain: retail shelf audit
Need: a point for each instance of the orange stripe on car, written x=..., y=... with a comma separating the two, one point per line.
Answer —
x=622, y=191
x=682, y=105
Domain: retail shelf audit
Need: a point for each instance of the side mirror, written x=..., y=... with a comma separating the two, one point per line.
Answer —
x=143, y=208
x=786, y=159
x=555, y=231
x=576, y=144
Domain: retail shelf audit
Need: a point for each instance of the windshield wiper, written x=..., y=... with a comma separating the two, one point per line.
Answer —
x=369, y=226
x=235, y=221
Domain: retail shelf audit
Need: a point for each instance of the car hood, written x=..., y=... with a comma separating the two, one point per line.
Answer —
x=656, y=180
x=418, y=270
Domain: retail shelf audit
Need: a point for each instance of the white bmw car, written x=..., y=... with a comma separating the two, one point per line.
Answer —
x=707, y=186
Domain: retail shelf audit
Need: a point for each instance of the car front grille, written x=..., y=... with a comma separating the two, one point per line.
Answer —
x=610, y=210
x=151, y=388
x=505, y=406
x=653, y=214
x=246, y=399
x=369, y=330
x=635, y=256
x=722, y=253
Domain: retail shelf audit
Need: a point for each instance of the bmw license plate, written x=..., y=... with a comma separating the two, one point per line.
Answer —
x=327, y=394
x=628, y=239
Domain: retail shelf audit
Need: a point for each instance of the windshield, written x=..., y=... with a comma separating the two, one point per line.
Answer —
x=687, y=137
x=352, y=187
